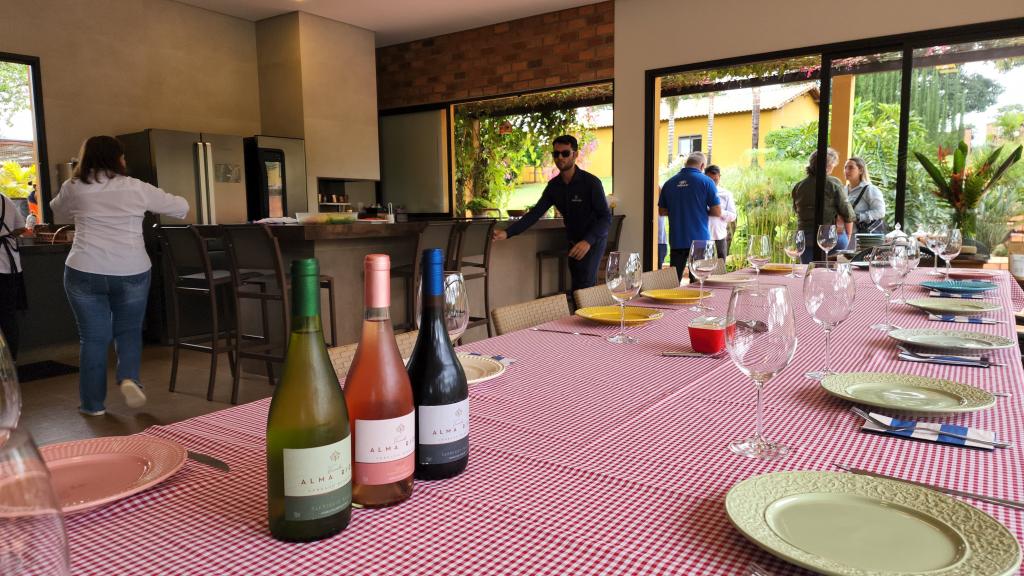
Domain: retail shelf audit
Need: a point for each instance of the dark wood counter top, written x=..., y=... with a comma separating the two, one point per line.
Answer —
x=346, y=231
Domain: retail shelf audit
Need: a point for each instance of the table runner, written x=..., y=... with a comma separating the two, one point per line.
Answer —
x=586, y=457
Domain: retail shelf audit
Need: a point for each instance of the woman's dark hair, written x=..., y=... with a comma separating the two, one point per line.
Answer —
x=100, y=156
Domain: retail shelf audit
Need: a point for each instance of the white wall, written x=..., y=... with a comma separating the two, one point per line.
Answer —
x=648, y=36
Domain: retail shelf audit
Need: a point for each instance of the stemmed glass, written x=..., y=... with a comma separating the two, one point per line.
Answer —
x=10, y=392
x=952, y=248
x=938, y=236
x=911, y=250
x=702, y=262
x=761, y=346
x=886, y=265
x=828, y=237
x=796, y=243
x=623, y=278
x=759, y=252
x=828, y=295
x=456, y=304
x=32, y=536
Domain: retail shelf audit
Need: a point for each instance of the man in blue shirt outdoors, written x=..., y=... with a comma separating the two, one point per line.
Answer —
x=688, y=198
x=579, y=196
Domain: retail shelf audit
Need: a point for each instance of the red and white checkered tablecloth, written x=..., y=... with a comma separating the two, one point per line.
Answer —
x=586, y=458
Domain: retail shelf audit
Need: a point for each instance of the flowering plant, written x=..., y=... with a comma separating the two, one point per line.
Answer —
x=961, y=186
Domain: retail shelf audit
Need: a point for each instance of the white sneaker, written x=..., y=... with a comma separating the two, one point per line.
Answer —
x=92, y=412
x=133, y=394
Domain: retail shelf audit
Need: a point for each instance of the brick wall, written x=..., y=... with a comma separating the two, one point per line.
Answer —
x=546, y=51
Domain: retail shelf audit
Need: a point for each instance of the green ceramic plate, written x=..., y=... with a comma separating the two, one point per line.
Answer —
x=852, y=525
x=907, y=393
x=953, y=306
x=951, y=339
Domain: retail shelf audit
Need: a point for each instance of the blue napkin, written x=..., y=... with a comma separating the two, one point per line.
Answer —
x=963, y=319
x=939, y=294
x=932, y=432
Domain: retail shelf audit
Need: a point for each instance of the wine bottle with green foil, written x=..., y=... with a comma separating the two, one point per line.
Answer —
x=309, y=452
x=438, y=384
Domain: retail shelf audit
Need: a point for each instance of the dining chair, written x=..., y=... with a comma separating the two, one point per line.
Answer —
x=594, y=296
x=660, y=279
x=528, y=314
x=342, y=356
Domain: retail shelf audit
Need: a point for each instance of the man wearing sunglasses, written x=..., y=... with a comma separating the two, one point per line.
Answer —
x=579, y=197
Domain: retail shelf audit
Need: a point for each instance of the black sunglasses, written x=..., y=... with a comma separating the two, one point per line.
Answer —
x=562, y=153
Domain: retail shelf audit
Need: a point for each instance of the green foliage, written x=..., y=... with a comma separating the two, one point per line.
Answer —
x=763, y=203
x=15, y=90
x=16, y=180
x=1010, y=122
x=993, y=223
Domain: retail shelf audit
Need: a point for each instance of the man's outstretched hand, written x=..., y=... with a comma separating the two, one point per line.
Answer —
x=579, y=250
x=499, y=235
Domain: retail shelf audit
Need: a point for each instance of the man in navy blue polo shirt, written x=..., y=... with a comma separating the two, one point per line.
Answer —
x=688, y=198
x=579, y=196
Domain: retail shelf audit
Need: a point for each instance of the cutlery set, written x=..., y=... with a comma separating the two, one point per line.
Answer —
x=982, y=361
x=890, y=428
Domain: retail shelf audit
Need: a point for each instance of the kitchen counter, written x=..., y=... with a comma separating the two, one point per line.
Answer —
x=48, y=326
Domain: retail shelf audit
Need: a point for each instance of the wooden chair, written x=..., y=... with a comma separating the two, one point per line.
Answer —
x=660, y=279
x=593, y=296
x=519, y=316
x=342, y=356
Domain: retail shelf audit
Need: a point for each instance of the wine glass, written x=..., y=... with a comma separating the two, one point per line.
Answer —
x=952, y=248
x=702, y=262
x=759, y=252
x=761, y=346
x=796, y=243
x=32, y=536
x=938, y=235
x=456, y=304
x=623, y=278
x=828, y=296
x=10, y=392
x=911, y=250
x=828, y=237
x=885, y=265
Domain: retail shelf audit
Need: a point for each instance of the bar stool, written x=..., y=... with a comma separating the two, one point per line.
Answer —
x=192, y=274
x=258, y=273
x=614, y=233
x=439, y=234
x=562, y=254
x=474, y=253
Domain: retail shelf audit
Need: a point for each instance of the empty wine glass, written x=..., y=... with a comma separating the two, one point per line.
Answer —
x=829, y=293
x=938, y=235
x=10, y=392
x=796, y=243
x=623, y=278
x=827, y=238
x=456, y=304
x=761, y=346
x=702, y=262
x=952, y=248
x=911, y=250
x=759, y=252
x=32, y=536
x=885, y=265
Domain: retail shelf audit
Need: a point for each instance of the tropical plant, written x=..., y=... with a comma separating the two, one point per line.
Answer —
x=16, y=180
x=479, y=204
x=961, y=186
x=15, y=90
x=763, y=202
x=993, y=224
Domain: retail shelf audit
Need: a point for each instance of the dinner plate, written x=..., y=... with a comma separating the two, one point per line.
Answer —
x=90, y=473
x=729, y=279
x=839, y=523
x=952, y=339
x=676, y=295
x=907, y=393
x=953, y=306
x=610, y=314
x=959, y=286
x=860, y=264
x=971, y=274
x=479, y=368
x=776, y=269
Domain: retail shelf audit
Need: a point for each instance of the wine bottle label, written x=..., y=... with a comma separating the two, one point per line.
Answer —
x=317, y=481
x=443, y=433
x=384, y=449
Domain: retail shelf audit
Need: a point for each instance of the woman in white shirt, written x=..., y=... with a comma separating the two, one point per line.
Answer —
x=865, y=197
x=12, y=294
x=719, y=225
x=106, y=274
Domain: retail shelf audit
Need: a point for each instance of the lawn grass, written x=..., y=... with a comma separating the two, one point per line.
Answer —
x=528, y=194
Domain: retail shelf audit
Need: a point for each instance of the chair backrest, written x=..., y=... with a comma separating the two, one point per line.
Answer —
x=475, y=240
x=186, y=250
x=614, y=232
x=660, y=279
x=252, y=247
x=519, y=316
x=593, y=296
x=342, y=356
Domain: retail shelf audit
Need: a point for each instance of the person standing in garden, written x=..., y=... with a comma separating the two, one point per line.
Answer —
x=688, y=199
x=836, y=203
x=719, y=225
x=579, y=197
x=865, y=197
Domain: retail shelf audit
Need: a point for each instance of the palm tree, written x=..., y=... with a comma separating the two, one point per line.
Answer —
x=673, y=105
x=711, y=124
x=755, y=122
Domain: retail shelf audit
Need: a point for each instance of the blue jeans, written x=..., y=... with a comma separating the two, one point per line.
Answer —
x=106, y=308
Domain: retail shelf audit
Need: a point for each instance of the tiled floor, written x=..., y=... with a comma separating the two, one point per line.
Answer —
x=50, y=406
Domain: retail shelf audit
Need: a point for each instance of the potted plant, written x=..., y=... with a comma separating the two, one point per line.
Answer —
x=961, y=186
x=479, y=206
x=16, y=183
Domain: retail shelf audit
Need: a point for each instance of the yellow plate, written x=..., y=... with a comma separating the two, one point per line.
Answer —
x=610, y=314
x=679, y=295
x=776, y=268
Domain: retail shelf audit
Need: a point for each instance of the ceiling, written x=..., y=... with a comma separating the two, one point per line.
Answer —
x=396, y=21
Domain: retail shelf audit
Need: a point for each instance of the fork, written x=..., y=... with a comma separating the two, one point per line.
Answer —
x=891, y=428
x=982, y=359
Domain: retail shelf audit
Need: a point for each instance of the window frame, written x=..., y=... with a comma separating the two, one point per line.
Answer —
x=43, y=173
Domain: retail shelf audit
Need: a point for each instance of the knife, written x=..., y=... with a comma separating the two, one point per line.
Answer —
x=946, y=360
x=990, y=499
x=209, y=461
x=565, y=332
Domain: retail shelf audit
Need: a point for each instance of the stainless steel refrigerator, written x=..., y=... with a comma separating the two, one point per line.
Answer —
x=207, y=170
